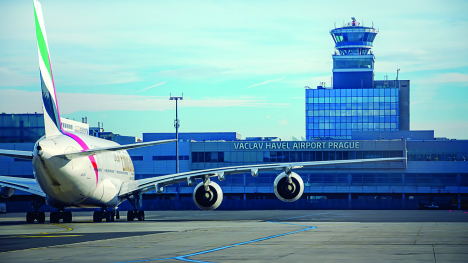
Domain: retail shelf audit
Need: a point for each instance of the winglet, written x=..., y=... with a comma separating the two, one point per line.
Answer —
x=49, y=98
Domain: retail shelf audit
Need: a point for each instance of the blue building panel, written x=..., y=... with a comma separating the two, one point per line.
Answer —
x=336, y=113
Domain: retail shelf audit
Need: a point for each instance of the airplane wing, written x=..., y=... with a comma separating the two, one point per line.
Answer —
x=148, y=184
x=110, y=149
x=23, y=184
x=17, y=154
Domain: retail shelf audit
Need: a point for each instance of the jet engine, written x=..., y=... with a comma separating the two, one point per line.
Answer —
x=6, y=192
x=208, y=200
x=288, y=188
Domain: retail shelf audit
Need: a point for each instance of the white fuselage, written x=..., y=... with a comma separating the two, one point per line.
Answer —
x=90, y=181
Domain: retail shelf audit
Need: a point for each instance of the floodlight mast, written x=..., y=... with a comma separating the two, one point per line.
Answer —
x=176, y=125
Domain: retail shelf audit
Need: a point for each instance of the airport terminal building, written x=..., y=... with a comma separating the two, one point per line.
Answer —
x=436, y=170
x=357, y=117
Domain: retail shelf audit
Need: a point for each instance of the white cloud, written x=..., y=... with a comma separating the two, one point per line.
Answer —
x=193, y=73
x=155, y=85
x=11, y=77
x=268, y=117
x=265, y=82
x=444, y=78
x=95, y=72
x=74, y=102
x=282, y=122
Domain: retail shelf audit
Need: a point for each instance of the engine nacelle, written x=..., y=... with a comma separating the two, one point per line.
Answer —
x=6, y=192
x=208, y=200
x=288, y=190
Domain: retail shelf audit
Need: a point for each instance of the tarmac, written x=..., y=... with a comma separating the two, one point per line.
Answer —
x=247, y=236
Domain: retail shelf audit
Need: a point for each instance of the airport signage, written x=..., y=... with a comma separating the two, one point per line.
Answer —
x=295, y=145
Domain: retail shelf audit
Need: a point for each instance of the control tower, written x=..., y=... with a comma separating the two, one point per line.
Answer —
x=353, y=61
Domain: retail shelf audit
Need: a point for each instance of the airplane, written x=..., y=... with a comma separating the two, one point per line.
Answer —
x=75, y=170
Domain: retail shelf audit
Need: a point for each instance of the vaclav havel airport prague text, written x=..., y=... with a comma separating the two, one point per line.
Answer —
x=296, y=145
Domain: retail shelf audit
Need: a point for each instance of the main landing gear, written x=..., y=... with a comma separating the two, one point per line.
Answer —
x=104, y=214
x=33, y=216
x=138, y=214
x=36, y=215
x=55, y=217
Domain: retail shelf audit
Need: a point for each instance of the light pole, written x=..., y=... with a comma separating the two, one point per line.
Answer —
x=176, y=125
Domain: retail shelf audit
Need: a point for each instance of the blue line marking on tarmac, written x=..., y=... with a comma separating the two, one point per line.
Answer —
x=184, y=257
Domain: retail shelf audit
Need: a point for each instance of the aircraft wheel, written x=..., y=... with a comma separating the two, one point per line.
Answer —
x=141, y=215
x=67, y=217
x=40, y=217
x=54, y=217
x=30, y=218
x=110, y=216
x=97, y=216
x=130, y=216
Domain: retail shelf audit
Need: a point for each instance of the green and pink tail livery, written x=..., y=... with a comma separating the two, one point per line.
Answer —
x=49, y=98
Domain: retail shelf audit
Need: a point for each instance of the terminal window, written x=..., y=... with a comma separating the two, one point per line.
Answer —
x=170, y=158
x=353, y=63
x=335, y=113
x=288, y=156
x=136, y=158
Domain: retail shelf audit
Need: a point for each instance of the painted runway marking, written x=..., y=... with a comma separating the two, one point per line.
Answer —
x=25, y=236
x=66, y=227
x=185, y=257
x=44, y=234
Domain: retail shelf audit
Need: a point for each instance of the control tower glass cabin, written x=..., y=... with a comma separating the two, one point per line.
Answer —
x=353, y=61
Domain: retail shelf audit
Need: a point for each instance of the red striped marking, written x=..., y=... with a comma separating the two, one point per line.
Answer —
x=85, y=147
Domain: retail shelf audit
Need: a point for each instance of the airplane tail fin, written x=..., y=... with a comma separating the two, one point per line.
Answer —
x=52, y=122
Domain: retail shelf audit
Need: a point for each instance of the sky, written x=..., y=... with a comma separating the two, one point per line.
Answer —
x=241, y=65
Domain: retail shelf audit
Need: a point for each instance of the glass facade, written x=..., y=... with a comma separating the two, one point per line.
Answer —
x=334, y=113
x=354, y=40
x=259, y=157
x=340, y=63
x=21, y=127
x=353, y=37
